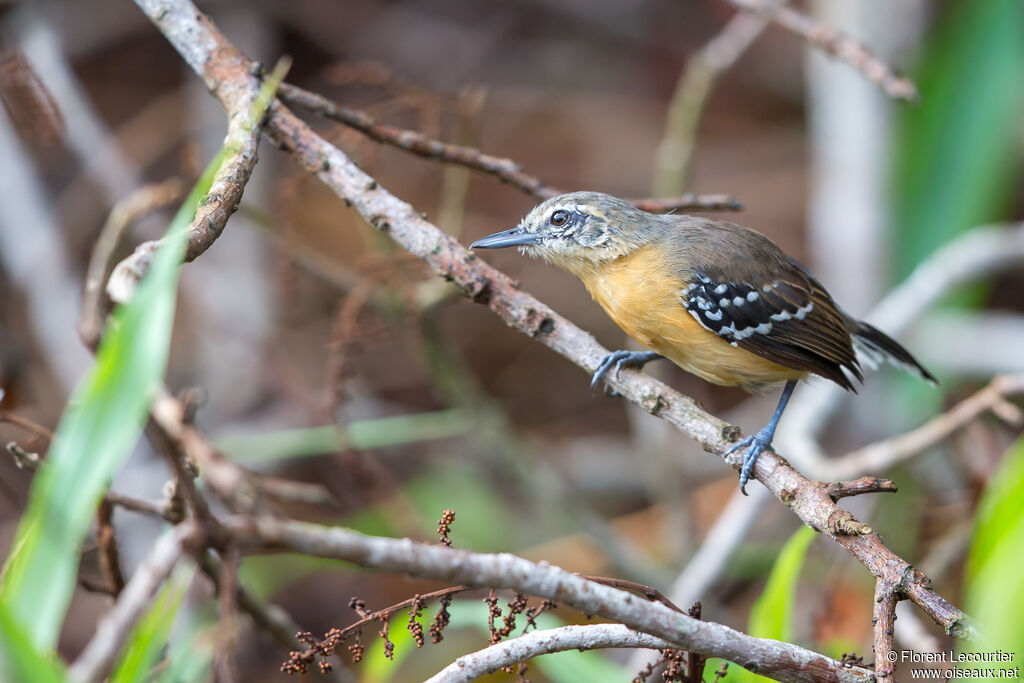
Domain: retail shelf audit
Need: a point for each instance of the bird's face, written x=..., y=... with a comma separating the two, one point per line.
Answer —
x=572, y=230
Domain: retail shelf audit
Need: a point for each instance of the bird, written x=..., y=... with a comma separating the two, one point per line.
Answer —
x=721, y=301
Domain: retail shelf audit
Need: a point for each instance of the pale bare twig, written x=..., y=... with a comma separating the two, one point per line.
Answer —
x=881, y=455
x=125, y=212
x=591, y=636
x=835, y=43
x=95, y=660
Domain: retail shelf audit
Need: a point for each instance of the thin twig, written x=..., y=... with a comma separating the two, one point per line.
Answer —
x=136, y=505
x=881, y=455
x=310, y=654
x=779, y=660
x=128, y=210
x=647, y=591
x=26, y=424
x=505, y=169
x=113, y=630
x=858, y=487
x=506, y=653
x=110, y=556
x=835, y=43
x=226, y=624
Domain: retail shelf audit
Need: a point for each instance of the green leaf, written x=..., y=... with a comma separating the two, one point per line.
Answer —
x=1000, y=508
x=150, y=635
x=772, y=614
x=189, y=660
x=362, y=434
x=100, y=426
x=994, y=590
x=956, y=163
x=20, y=660
x=97, y=432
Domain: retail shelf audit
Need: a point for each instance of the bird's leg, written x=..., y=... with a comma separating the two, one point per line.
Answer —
x=622, y=359
x=756, y=444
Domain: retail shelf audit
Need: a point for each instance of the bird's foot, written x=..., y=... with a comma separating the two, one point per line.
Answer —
x=755, y=445
x=622, y=359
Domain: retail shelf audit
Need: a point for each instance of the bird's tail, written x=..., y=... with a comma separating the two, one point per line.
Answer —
x=874, y=347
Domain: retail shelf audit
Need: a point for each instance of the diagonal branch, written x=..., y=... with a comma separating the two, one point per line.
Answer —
x=504, y=169
x=209, y=52
x=835, y=43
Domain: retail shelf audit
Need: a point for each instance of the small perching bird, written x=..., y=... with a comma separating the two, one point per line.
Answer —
x=719, y=300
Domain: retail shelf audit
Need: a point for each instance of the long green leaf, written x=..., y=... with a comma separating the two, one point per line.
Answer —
x=772, y=614
x=100, y=426
x=956, y=165
x=150, y=635
x=19, y=658
x=994, y=590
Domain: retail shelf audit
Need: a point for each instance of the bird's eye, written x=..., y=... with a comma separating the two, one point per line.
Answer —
x=559, y=217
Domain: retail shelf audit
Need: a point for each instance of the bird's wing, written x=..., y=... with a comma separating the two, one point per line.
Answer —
x=766, y=303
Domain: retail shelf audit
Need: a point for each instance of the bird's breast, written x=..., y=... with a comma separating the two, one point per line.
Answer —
x=642, y=293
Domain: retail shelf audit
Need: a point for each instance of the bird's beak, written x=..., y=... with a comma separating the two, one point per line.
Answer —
x=515, y=237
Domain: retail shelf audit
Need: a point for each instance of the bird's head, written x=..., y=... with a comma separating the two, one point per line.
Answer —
x=576, y=230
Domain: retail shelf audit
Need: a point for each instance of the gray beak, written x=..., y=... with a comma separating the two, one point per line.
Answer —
x=507, y=238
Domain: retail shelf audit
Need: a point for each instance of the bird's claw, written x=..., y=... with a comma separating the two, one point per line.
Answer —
x=619, y=360
x=755, y=445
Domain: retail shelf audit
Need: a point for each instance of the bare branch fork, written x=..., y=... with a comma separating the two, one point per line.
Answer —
x=231, y=77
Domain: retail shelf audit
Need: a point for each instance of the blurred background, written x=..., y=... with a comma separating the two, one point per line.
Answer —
x=328, y=356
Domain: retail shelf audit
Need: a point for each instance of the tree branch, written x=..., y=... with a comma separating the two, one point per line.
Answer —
x=504, y=169
x=835, y=43
x=883, y=623
x=779, y=660
x=590, y=637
